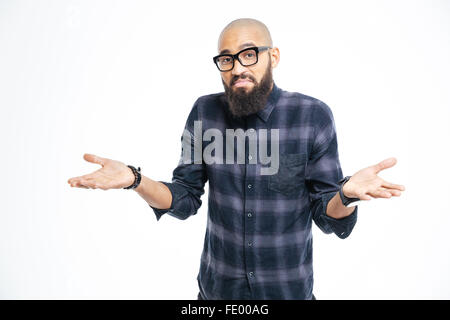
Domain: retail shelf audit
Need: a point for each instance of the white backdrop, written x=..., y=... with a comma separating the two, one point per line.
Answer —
x=118, y=79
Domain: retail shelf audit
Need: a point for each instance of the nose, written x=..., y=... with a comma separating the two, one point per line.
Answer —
x=238, y=68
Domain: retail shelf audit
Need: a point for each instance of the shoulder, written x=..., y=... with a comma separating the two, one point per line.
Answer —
x=316, y=107
x=303, y=99
x=207, y=106
x=209, y=100
x=211, y=106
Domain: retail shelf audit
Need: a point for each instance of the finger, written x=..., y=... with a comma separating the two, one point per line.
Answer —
x=85, y=177
x=100, y=183
x=94, y=183
x=73, y=180
x=364, y=196
x=78, y=184
x=393, y=192
x=77, y=180
x=82, y=184
x=386, y=163
x=88, y=183
x=393, y=186
x=379, y=193
x=94, y=159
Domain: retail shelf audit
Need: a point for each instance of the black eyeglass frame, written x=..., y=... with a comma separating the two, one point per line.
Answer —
x=235, y=57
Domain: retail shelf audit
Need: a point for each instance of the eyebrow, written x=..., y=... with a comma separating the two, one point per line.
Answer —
x=242, y=46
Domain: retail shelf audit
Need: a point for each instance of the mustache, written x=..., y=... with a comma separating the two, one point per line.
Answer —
x=242, y=76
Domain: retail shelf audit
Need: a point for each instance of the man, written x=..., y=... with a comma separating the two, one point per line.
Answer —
x=258, y=242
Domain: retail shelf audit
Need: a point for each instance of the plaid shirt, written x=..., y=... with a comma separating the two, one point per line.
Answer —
x=258, y=241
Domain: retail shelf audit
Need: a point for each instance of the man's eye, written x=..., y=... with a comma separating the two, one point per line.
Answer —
x=250, y=55
x=225, y=60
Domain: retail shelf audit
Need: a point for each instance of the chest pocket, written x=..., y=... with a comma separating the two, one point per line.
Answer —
x=291, y=174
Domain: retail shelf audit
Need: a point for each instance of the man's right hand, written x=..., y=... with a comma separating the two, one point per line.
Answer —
x=113, y=175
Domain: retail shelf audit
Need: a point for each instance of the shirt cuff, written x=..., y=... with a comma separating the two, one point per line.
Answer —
x=160, y=212
x=341, y=227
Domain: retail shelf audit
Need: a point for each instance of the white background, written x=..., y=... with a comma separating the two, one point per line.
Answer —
x=118, y=79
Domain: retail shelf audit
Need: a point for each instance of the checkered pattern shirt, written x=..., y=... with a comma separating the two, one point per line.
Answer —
x=258, y=240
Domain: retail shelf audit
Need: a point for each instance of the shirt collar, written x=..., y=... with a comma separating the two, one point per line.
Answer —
x=270, y=104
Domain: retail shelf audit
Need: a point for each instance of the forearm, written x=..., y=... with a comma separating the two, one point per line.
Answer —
x=155, y=193
x=336, y=209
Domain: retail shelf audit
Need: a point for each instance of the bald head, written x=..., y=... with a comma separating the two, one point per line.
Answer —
x=251, y=27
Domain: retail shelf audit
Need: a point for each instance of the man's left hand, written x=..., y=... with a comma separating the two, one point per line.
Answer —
x=366, y=184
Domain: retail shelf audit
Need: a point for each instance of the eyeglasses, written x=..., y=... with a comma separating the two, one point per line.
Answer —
x=247, y=57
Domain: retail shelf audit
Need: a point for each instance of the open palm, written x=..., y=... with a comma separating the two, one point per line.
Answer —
x=366, y=184
x=113, y=175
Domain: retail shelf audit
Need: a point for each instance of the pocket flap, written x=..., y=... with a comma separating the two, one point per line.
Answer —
x=293, y=158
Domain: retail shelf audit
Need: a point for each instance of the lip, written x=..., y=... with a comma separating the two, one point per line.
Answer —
x=242, y=83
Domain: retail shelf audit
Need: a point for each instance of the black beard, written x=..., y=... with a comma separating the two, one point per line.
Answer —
x=242, y=103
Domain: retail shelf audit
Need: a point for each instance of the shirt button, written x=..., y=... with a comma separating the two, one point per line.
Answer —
x=250, y=186
x=249, y=243
x=250, y=274
x=249, y=214
x=250, y=157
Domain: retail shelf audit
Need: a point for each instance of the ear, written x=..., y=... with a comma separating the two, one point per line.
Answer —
x=274, y=56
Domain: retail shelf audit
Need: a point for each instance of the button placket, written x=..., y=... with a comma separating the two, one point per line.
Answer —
x=249, y=221
x=250, y=189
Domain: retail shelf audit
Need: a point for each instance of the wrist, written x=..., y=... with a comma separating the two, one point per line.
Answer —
x=137, y=177
x=348, y=198
x=345, y=190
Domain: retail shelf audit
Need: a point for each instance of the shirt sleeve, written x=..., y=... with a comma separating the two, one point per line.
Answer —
x=188, y=178
x=323, y=172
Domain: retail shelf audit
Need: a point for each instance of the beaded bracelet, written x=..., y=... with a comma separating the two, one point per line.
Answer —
x=137, y=177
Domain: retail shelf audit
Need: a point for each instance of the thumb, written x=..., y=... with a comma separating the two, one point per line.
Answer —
x=386, y=163
x=94, y=159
